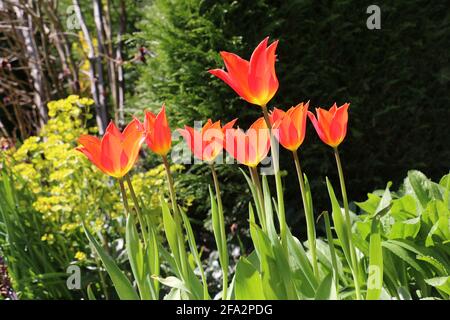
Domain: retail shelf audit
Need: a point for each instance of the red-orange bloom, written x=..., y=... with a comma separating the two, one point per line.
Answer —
x=207, y=143
x=116, y=153
x=255, y=81
x=291, y=125
x=250, y=147
x=331, y=126
x=157, y=132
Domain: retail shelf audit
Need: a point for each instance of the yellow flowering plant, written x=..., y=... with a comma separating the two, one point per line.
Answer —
x=57, y=188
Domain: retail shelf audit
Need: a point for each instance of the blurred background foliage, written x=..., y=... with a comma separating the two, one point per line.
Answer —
x=396, y=79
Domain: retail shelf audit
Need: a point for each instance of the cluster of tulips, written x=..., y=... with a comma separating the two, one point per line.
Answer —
x=256, y=82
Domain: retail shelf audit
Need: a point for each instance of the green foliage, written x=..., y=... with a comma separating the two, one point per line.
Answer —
x=414, y=233
x=43, y=204
x=47, y=189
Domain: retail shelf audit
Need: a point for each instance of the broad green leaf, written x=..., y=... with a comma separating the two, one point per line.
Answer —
x=402, y=253
x=424, y=189
x=327, y=289
x=445, y=183
x=194, y=250
x=404, y=208
x=268, y=211
x=121, y=283
x=405, y=229
x=172, y=282
x=152, y=260
x=439, y=266
x=170, y=230
x=419, y=250
x=371, y=204
x=337, y=268
x=248, y=283
x=436, y=216
x=434, y=210
x=301, y=266
x=339, y=223
x=375, y=272
x=385, y=202
x=135, y=253
x=440, y=230
x=271, y=276
x=440, y=283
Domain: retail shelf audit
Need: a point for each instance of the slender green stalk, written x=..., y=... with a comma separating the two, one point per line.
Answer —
x=310, y=226
x=173, y=198
x=255, y=178
x=223, y=236
x=177, y=217
x=138, y=210
x=332, y=251
x=353, y=257
x=124, y=197
x=102, y=279
x=279, y=186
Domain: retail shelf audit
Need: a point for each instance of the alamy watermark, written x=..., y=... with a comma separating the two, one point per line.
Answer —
x=374, y=20
x=240, y=148
x=73, y=281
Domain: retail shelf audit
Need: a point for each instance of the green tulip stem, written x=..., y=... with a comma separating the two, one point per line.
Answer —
x=353, y=257
x=278, y=184
x=138, y=209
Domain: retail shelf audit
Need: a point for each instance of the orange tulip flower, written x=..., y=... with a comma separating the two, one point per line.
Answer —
x=207, y=143
x=291, y=125
x=255, y=81
x=157, y=132
x=116, y=153
x=250, y=147
x=331, y=126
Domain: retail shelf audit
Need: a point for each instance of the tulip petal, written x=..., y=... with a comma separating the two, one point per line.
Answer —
x=257, y=80
x=317, y=126
x=91, y=148
x=112, y=129
x=277, y=114
x=338, y=127
x=238, y=70
x=111, y=153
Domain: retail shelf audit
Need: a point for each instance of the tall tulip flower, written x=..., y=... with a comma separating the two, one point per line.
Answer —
x=157, y=132
x=291, y=125
x=255, y=80
x=250, y=147
x=159, y=139
x=290, y=129
x=116, y=153
x=207, y=143
x=331, y=125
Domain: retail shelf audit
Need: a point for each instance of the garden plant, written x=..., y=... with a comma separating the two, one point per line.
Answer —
x=223, y=151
